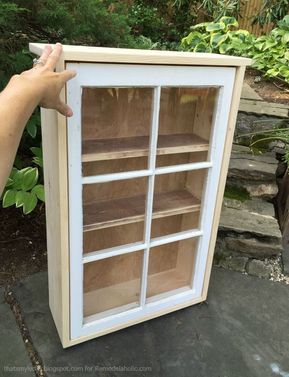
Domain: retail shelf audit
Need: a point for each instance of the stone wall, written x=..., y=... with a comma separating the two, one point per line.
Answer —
x=249, y=237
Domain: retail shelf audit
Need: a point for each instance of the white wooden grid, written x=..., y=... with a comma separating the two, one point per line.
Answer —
x=91, y=75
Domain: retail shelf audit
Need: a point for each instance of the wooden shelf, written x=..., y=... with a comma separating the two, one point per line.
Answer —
x=109, y=149
x=115, y=212
x=127, y=293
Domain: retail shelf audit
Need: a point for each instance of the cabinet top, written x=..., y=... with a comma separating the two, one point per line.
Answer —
x=122, y=55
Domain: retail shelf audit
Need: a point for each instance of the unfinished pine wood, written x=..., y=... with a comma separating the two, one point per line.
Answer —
x=108, y=149
x=122, y=55
x=53, y=128
x=132, y=209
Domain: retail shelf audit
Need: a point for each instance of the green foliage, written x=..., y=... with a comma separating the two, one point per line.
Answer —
x=269, y=53
x=215, y=10
x=162, y=21
x=22, y=189
x=259, y=140
x=275, y=134
x=271, y=11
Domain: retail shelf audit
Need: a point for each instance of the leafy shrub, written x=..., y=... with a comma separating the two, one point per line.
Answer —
x=23, y=190
x=271, y=11
x=216, y=9
x=162, y=21
x=269, y=53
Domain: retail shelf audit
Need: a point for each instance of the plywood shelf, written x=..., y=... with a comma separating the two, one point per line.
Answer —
x=115, y=148
x=127, y=293
x=108, y=213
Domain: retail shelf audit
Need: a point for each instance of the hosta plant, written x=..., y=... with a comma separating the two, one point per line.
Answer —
x=23, y=190
x=270, y=53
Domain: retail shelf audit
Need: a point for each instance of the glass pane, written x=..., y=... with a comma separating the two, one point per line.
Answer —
x=113, y=213
x=105, y=238
x=185, y=124
x=116, y=125
x=175, y=224
x=113, y=166
x=171, y=267
x=177, y=194
x=112, y=283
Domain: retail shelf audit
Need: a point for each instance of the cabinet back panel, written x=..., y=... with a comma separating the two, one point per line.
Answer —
x=114, y=190
x=195, y=182
x=111, y=271
x=116, y=112
x=113, y=166
x=174, y=224
x=187, y=110
x=205, y=111
x=181, y=158
x=112, y=236
x=171, y=266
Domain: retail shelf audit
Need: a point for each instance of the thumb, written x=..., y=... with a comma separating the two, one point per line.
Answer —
x=67, y=75
x=64, y=109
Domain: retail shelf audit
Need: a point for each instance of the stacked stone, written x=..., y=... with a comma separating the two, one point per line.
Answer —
x=249, y=238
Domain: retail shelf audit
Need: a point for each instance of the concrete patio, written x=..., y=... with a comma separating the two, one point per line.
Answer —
x=241, y=331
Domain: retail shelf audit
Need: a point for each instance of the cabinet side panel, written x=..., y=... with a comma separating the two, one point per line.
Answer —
x=57, y=272
x=240, y=71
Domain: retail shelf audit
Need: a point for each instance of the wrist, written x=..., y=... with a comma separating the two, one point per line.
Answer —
x=28, y=87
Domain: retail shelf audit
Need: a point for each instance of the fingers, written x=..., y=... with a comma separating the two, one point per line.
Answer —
x=67, y=75
x=46, y=52
x=53, y=57
x=64, y=109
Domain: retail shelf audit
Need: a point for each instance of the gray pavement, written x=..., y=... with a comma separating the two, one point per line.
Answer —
x=14, y=359
x=242, y=331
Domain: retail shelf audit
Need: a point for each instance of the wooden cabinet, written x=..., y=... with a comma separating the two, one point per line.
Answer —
x=134, y=183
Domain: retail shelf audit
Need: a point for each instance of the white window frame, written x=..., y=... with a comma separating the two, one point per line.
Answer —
x=154, y=76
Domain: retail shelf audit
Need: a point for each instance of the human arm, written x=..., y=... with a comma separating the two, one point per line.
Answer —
x=37, y=86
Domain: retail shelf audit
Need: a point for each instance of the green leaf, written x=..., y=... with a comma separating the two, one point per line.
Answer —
x=229, y=21
x=269, y=44
x=9, y=182
x=285, y=38
x=36, y=151
x=272, y=72
x=202, y=47
x=284, y=70
x=193, y=38
x=31, y=128
x=9, y=198
x=30, y=179
x=217, y=39
x=19, y=198
x=18, y=163
x=224, y=48
x=200, y=25
x=17, y=179
x=215, y=26
x=29, y=202
x=38, y=190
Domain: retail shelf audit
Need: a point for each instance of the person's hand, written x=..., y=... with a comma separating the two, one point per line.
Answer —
x=46, y=83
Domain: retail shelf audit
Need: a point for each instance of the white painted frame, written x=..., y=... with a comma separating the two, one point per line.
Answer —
x=125, y=75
